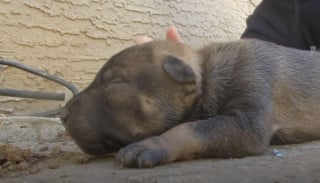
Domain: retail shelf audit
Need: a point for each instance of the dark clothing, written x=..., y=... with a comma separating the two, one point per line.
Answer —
x=292, y=23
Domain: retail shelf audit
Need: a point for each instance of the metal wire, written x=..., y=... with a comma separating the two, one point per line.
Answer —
x=34, y=94
x=40, y=73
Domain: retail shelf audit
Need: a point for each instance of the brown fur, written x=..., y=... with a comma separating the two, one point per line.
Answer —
x=161, y=102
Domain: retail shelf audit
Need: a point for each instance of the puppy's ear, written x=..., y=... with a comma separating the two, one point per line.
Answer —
x=178, y=70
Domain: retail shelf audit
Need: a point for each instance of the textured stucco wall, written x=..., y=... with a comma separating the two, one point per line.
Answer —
x=73, y=38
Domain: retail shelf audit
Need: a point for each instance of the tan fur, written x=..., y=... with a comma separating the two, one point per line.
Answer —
x=163, y=101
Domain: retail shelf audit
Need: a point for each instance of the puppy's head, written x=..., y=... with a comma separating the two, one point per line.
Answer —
x=140, y=92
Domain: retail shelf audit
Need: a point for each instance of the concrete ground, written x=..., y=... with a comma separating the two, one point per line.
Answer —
x=37, y=150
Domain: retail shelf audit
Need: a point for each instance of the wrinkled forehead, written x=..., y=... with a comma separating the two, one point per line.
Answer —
x=140, y=59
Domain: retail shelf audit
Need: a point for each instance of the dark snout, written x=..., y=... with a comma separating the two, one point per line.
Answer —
x=85, y=119
x=64, y=115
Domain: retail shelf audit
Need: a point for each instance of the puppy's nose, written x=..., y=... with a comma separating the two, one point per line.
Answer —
x=64, y=115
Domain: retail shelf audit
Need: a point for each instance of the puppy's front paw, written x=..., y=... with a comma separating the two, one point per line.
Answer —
x=145, y=154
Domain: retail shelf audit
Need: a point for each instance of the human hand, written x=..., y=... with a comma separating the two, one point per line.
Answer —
x=172, y=35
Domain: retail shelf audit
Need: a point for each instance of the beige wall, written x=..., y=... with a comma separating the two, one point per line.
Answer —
x=73, y=38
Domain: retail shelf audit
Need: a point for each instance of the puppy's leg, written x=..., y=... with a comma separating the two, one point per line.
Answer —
x=220, y=136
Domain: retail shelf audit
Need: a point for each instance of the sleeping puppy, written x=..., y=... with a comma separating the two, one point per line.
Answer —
x=162, y=102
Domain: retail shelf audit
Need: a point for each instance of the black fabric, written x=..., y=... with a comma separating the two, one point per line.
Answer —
x=292, y=23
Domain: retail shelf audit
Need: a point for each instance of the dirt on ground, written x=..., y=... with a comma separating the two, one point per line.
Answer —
x=62, y=161
x=24, y=159
x=37, y=150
